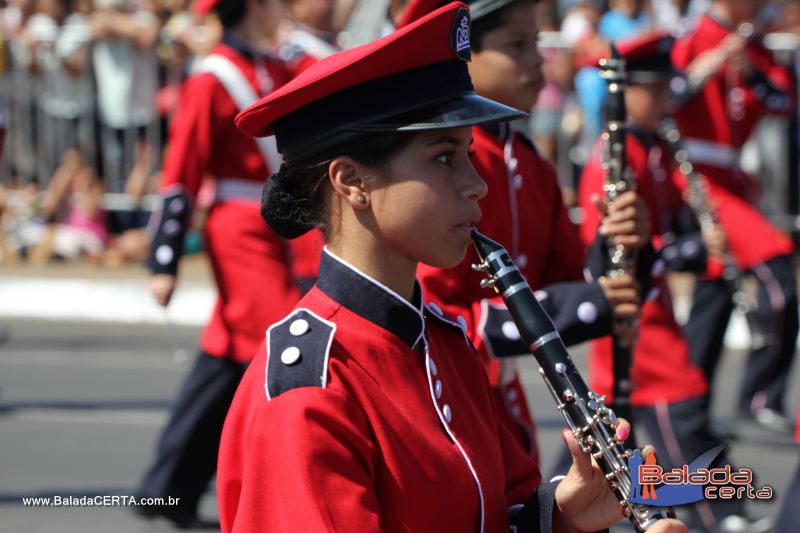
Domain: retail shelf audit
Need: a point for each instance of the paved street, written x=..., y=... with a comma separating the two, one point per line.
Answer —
x=81, y=404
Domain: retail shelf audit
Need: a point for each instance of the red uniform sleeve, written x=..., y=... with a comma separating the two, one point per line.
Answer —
x=191, y=137
x=306, y=467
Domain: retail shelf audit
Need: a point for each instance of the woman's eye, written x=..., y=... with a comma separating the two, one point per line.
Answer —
x=445, y=158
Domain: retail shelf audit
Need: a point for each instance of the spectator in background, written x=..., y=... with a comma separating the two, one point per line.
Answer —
x=579, y=29
x=126, y=70
x=545, y=123
x=677, y=16
x=624, y=18
x=67, y=95
x=23, y=86
x=72, y=208
x=20, y=227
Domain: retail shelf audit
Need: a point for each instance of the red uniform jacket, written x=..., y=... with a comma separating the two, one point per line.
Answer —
x=250, y=262
x=662, y=366
x=363, y=412
x=716, y=121
x=524, y=211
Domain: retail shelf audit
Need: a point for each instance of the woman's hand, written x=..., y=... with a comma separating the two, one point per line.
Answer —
x=624, y=295
x=626, y=221
x=584, y=501
x=162, y=286
x=716, y=242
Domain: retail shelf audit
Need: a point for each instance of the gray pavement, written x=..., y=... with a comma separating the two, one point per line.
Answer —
x=81, y=405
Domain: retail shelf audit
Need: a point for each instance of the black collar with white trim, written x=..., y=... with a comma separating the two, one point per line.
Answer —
x=371, y=300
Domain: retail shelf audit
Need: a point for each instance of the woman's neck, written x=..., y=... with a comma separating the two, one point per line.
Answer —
x=385, y=266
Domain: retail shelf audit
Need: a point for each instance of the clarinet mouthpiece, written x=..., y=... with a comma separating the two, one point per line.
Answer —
x=484, y=245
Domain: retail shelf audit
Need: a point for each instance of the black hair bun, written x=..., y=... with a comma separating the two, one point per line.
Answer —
x=283, y=209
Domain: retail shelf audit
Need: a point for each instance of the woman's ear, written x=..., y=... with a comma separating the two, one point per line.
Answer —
x=348, y=181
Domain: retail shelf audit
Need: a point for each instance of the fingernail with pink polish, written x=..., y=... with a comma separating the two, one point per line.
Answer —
x=623, y=433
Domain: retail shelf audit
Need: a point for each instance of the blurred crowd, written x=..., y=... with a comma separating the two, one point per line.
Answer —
x=88, y=88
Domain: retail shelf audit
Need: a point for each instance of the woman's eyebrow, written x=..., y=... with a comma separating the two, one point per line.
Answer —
x=449, y=140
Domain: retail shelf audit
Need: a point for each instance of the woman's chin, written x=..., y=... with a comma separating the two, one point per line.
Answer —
x=447, y=258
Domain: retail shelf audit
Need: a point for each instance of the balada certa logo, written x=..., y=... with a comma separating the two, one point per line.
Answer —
x=651, y=484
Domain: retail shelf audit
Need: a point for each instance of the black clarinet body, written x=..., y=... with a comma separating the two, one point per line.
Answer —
x=700, y=205
x=618, y=180
x=590, y=420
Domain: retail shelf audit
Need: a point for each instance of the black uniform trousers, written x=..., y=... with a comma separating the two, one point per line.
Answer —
x=186, y=455
x=789, y=518
x=767, y=371
x=679, y=432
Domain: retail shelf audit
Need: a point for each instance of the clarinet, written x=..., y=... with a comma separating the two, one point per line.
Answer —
x=590, y=420
x=618, y=180
x=706, y=218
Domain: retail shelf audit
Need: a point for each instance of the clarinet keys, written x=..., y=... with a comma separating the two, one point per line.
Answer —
x=489, y=282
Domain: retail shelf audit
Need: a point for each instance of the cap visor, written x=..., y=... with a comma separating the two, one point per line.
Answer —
x=465, y=110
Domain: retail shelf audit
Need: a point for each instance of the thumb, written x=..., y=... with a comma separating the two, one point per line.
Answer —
x=581, y=462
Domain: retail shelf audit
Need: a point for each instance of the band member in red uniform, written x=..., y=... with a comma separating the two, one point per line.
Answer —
x=670, y=393
x=249, y=261
x=523, y=209
x=367, y=410
x=731, y=81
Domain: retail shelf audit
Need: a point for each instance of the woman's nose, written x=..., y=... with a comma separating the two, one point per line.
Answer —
x=475, y=188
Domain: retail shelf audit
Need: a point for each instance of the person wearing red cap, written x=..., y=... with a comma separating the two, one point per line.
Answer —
x=250, y=262
x=670, y=394
x=366, y=409
x=525, y=211
x=731, y=81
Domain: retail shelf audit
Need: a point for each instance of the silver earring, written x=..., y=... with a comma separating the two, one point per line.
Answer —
x=361, y=199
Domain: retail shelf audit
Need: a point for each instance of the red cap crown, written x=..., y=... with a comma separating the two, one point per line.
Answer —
x=440, y=36
x=416, y=9
x=647, y=57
